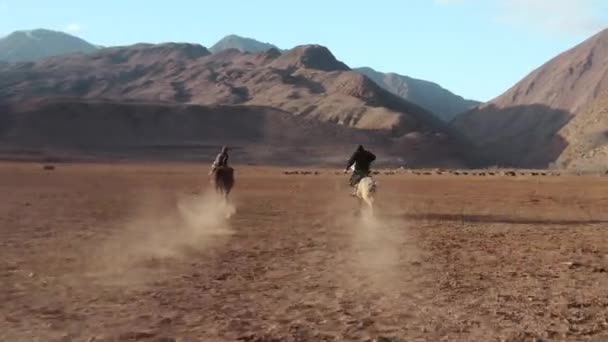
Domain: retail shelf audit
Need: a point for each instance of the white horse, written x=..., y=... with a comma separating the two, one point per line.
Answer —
x=365, y=192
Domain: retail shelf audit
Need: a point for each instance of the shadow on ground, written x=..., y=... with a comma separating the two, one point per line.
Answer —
x=465, y=218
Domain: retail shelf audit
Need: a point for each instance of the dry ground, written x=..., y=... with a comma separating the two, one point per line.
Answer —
x=138, y=252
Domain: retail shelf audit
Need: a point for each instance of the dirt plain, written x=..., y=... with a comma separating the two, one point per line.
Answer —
x=140, y=253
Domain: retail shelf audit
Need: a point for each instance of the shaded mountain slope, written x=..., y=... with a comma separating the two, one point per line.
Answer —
x=531, y=125
x=441, y=102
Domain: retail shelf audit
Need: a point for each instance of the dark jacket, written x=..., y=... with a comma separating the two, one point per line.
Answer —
x=362, y=160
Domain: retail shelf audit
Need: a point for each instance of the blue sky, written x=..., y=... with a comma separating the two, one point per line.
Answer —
x=475, y=48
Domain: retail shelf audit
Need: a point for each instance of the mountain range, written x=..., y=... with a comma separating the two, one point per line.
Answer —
x=439, y=101
x=150, y=88
x=39, y=44
x=298, y=105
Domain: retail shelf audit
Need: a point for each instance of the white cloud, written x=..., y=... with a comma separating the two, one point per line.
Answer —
x=547, y=16
x=554, y=16
x=73, y=29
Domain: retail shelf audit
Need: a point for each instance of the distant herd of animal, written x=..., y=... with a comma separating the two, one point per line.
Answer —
x=480, y=173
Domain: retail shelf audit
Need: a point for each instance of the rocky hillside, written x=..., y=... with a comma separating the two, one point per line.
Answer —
x=307, y=82
x=555, y=114
x=33, y=45
x=428, y=95
x=431, y=96
x=587, y=135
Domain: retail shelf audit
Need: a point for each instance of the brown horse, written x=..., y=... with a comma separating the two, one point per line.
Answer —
x=223, y=181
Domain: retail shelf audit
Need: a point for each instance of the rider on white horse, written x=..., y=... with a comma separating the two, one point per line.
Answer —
x=221, y=160
x=362, y=160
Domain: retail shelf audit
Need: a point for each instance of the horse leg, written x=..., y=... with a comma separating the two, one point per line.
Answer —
x=370, y=204
x=228, y=210
x=221, y=193
x=359, y=205
x=220, y=188
x=367, y=197
x=227, y=198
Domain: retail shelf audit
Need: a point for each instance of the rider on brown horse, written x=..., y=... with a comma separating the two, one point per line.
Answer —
x=221, y=160
x=362, y=160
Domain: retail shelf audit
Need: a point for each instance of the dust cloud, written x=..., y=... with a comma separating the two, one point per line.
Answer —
x=379, y=245
x=161, y=232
